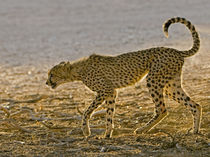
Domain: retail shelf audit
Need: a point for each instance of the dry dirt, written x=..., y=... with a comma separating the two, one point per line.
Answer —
x=50, y=120
x=38, y=121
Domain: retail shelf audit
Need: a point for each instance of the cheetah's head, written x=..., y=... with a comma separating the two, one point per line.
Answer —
x=59, y=74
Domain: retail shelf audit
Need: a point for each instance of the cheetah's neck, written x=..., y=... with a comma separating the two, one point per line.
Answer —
x=77, y=71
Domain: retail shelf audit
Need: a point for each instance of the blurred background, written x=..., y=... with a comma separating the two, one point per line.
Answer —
x=39, y=32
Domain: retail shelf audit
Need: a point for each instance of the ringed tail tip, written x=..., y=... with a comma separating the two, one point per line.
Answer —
x=166, y=34
x=165, y=30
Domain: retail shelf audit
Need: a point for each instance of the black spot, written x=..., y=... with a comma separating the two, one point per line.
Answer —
x=185, y=104
x=167, y=25
x=160, y=96
x=164, y=111
x=156, y=92
x=188, y=24
x=187, y=98
x=93, y=105
x=110, y=102
x=112, y=109
x=109, y=120
x=148, y=85
x=178, y=92
x=178, y=18
x=98, y=103
x=152, y=95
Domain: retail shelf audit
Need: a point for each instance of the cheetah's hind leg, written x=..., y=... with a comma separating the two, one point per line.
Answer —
x=174, y=90
x=156, y=92
x=151, y=124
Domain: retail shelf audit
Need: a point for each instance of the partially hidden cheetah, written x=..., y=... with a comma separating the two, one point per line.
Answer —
x=104, y=74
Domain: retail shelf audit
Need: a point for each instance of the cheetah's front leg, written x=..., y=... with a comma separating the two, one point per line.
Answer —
x=86, y=116
x=110, y=101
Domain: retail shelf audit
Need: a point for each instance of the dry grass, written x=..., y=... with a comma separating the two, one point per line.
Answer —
x=36, y=121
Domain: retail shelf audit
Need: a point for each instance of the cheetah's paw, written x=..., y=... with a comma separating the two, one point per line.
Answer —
x=140, y=130
x=86, y=131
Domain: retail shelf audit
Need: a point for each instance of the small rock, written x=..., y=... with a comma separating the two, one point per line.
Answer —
x=178, y=146
x=102, y=149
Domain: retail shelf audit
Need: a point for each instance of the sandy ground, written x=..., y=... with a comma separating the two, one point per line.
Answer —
x=37, y=121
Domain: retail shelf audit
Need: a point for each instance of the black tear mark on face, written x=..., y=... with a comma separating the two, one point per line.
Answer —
x=53, y=84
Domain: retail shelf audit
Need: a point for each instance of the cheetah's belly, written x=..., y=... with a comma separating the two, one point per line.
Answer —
x=120, y=80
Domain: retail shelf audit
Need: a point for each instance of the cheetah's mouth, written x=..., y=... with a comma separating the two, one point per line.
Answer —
x=53, y=85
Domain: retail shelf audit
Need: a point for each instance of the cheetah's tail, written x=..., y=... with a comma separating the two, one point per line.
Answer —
x=195, y=36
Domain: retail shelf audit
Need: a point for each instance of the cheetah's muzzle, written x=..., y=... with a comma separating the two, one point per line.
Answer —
x=53, y=85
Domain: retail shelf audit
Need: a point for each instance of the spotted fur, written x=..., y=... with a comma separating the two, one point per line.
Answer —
x=104, y=74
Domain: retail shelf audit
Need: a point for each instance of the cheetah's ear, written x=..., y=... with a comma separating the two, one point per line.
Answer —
x=68, y=65
x=62, y=62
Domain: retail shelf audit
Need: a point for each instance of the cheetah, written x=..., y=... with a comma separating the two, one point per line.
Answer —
x=161, y=66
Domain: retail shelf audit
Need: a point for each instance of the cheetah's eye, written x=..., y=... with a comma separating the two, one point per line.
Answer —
x=53, y=75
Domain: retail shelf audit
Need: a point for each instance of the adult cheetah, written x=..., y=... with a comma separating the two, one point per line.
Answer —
x=104, y=74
